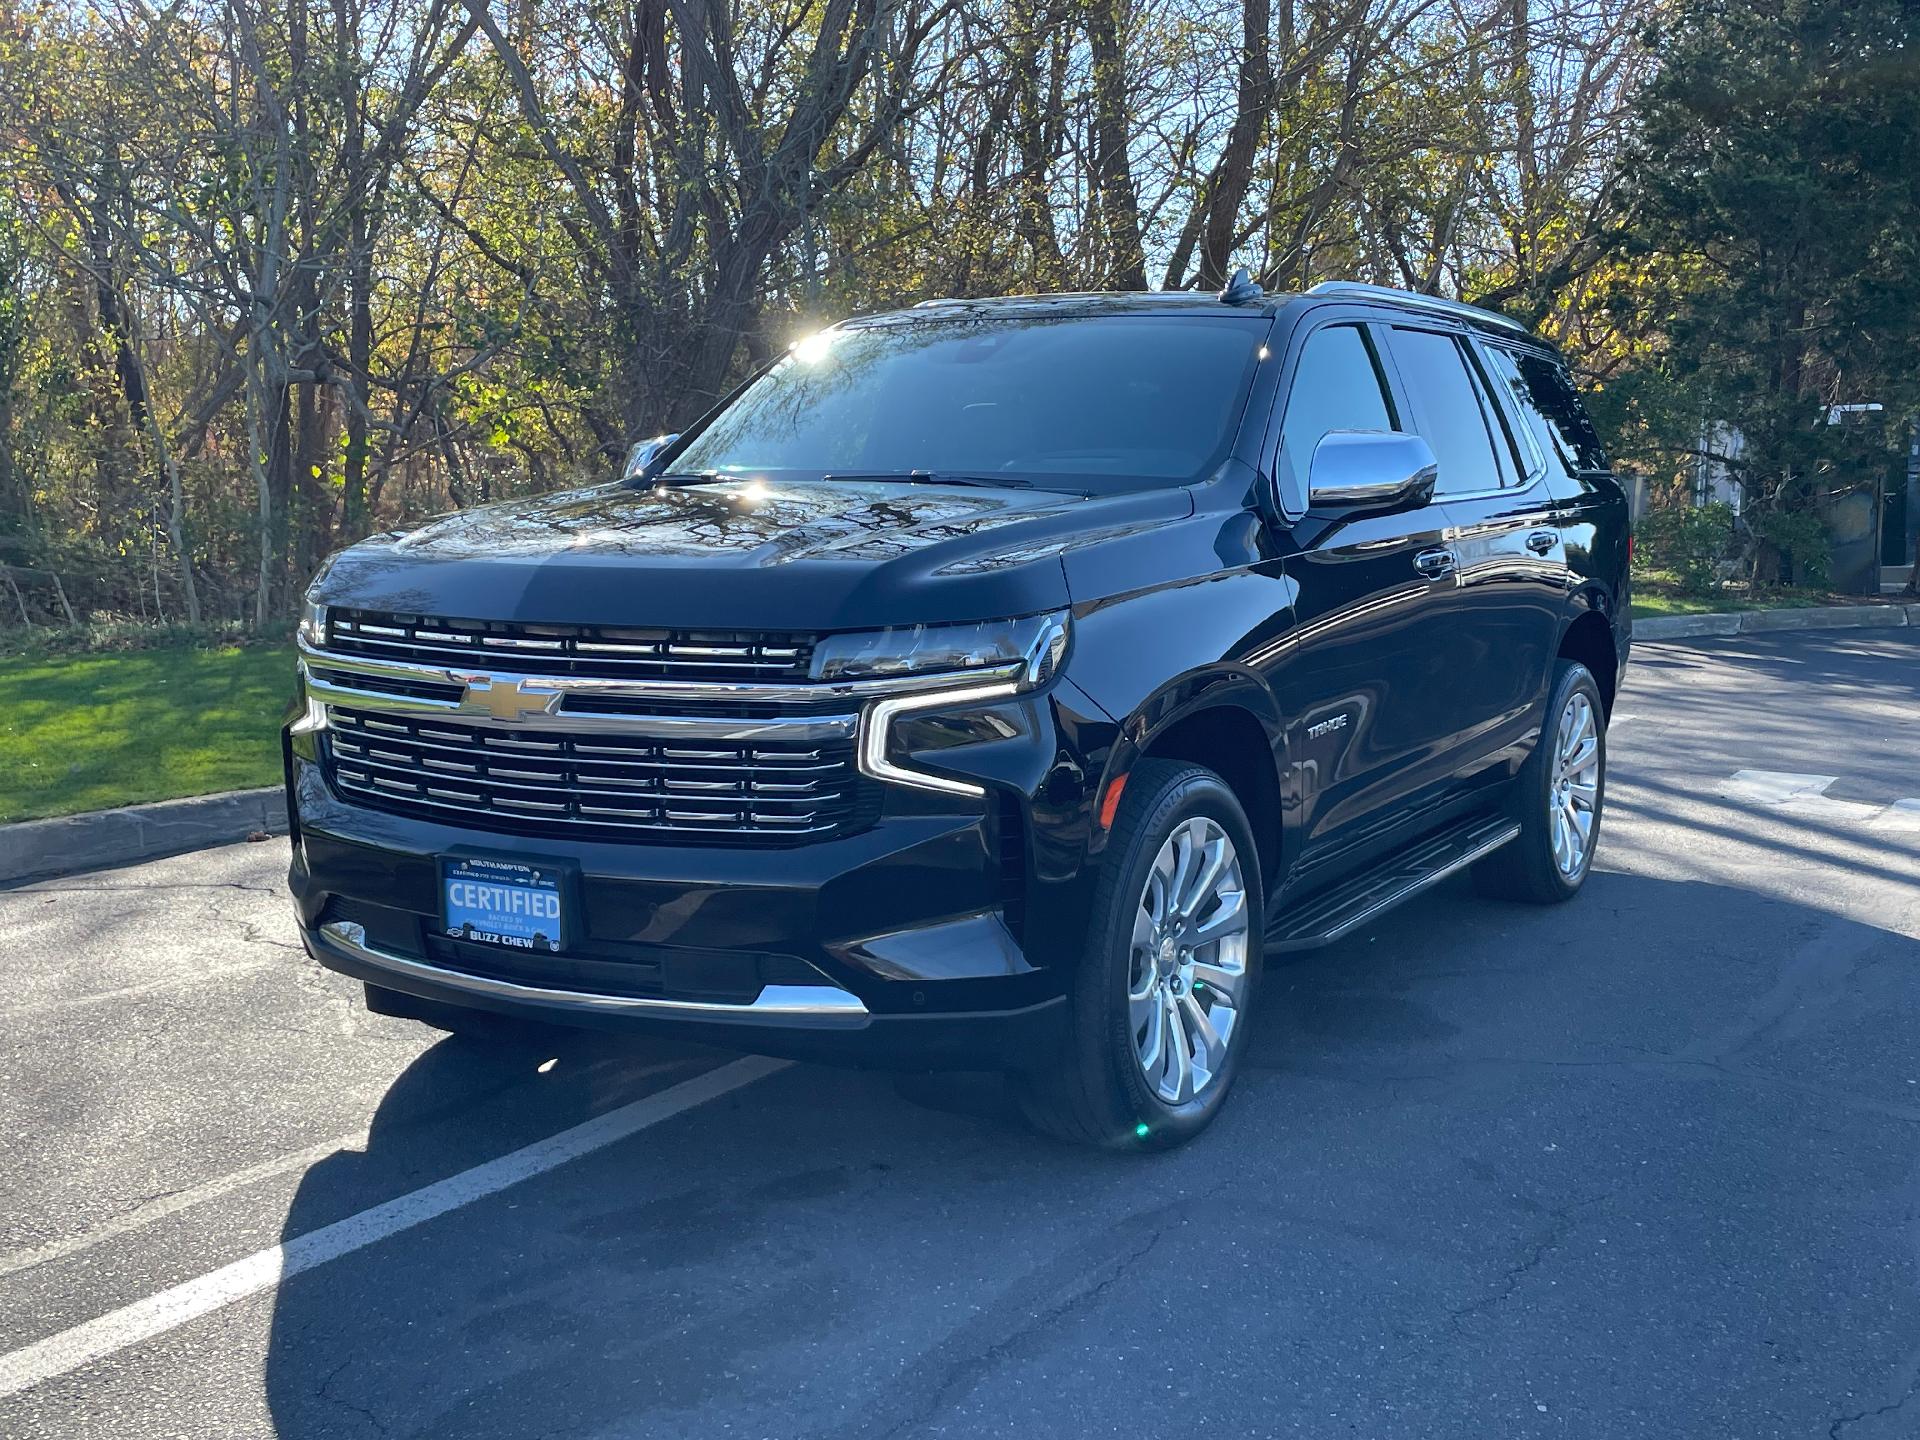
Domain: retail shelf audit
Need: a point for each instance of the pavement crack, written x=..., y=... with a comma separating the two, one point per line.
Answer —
x=324, y=1393
x=241, y=885
x=1893, y=1407
x=969, y=1365
x=1550, y=1239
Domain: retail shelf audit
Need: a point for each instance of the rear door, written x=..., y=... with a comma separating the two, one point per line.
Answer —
x=1360, y=670
x=1510, y=588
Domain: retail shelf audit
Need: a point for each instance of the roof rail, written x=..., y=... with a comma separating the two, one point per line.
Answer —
x=1415, y=300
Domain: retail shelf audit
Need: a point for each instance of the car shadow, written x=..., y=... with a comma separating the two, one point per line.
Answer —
x=823, y=1240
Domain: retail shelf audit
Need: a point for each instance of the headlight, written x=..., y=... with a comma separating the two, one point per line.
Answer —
x=313, y=624
x=988, y=662
x=1026, y=651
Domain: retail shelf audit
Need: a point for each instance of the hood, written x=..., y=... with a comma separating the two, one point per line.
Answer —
x=825, y=555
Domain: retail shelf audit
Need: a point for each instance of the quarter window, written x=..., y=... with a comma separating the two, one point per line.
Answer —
x=1544, y=398
x=1336, y=386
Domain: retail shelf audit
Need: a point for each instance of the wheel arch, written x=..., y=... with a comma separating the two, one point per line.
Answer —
x=1588, y=637
x=1228, y=722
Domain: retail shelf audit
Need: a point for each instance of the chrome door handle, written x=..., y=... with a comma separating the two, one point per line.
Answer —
x=1434, y=563
x=1541, y=541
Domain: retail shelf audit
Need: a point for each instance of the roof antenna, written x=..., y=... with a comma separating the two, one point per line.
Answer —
x=1241, y=289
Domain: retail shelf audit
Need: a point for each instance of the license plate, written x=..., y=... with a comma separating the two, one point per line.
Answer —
x=504, y=902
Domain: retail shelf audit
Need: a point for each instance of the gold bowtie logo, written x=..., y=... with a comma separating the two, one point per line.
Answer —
x=506, y=700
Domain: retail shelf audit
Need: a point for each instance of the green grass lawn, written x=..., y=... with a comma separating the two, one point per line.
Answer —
x=84, y=732
x=1653, y=595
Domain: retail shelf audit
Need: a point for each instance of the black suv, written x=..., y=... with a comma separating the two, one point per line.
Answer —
x=990, y=685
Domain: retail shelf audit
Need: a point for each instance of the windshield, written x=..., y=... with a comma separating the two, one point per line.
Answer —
x=1074, y=403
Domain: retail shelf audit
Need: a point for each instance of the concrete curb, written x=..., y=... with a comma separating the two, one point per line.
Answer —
x=99, y=839
x=1761, y=622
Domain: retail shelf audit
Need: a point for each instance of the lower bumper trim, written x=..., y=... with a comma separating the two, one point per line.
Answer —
x=811, y=1007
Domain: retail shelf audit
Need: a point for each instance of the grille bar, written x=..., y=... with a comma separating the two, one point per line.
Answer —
x=549, y=782
x=592, y=650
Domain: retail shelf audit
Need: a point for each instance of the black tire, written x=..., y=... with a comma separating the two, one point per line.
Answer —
x=1525, y=869
x=1095, y=1092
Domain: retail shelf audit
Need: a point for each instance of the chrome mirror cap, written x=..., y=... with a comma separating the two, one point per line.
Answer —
x=1370, y=470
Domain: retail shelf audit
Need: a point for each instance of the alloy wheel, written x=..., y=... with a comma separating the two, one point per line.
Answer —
x=1187, y=972
x=1574, y=796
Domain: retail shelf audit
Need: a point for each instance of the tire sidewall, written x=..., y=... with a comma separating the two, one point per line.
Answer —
x=1196, y=792
x=1572, y=677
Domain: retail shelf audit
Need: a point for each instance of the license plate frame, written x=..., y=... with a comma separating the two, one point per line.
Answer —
x=479, y=916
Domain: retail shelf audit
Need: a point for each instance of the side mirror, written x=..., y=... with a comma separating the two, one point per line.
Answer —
x=1369, y=472
x=644, y=457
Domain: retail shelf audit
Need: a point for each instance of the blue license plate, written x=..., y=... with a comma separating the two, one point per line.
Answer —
x=504, y=902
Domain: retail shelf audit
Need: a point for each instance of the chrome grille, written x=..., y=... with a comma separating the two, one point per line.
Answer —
x=611, y=652
x=627, y=787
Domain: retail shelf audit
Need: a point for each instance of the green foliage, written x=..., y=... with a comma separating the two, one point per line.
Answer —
x=119, y=637
x=1688, y=542
x=1775, y=246
x=551, y=241
x=1801, y=537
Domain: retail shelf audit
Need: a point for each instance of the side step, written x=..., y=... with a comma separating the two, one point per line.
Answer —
x=1324, y=918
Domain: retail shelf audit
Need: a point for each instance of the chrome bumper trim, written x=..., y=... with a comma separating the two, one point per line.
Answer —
x=664, y=727
x=812, y=1007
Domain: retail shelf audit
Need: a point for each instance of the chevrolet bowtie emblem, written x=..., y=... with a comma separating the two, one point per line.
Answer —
x=506, y=700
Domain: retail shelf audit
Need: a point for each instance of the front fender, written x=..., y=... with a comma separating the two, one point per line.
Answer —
x=1223, y=688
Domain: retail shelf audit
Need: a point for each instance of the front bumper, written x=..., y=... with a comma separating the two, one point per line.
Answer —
x=939, y=936
x=799, y=1022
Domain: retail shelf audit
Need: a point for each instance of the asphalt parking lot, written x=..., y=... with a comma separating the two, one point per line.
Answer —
x=1645, y=1165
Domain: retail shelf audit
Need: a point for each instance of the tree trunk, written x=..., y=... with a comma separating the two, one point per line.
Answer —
x=1233, y=178
x=263, y=487
x=1119, y=200
x=310, y=517
x=1034, y=208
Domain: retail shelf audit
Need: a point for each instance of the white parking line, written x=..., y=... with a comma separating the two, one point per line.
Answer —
x=155, y=1315
x=1773, y=787
x=159, y=1208
x=1804, y=797
x=1901, y=815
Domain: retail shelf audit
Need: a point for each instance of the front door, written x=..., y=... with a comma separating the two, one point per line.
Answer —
x=1364, y=671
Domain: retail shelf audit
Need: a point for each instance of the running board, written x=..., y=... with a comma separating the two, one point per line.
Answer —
x=1402, y=875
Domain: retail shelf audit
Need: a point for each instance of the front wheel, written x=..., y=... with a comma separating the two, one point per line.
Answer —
x=1172, y=963
x=1560, y=793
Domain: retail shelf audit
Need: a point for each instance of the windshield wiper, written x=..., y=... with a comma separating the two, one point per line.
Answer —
x=911, y=477
x=702, y=476
x=934, y=477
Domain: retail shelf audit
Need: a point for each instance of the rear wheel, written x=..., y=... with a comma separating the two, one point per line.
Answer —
x=1167, y=980
x=1560, y=793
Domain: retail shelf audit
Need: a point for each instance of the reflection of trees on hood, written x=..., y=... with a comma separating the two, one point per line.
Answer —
x=778, y=522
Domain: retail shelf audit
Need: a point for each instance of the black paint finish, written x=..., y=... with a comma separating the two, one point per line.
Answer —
x=1393, y=668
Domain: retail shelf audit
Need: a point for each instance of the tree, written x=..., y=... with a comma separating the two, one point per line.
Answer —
x=1776, y=193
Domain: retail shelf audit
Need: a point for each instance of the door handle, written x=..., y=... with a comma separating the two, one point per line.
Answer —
x=1541, y=541
x=1435, y=563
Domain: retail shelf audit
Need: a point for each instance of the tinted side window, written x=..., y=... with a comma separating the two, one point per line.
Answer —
x=1444, y=392
x=1550, y=403
x=1534, y=438
x=1335, y=387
